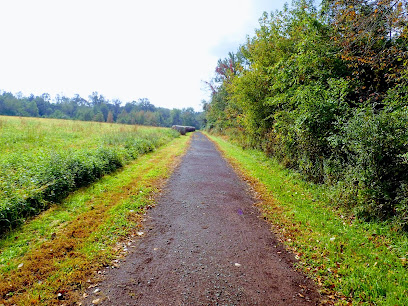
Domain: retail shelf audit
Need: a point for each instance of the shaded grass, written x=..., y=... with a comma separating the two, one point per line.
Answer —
x=63, y=247
x=352, y=261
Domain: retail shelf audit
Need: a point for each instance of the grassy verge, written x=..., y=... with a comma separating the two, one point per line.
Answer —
x=42, y=161
x=352, y=261
x=58, y=251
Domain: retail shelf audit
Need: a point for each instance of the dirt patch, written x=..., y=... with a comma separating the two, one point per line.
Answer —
x=204, y=244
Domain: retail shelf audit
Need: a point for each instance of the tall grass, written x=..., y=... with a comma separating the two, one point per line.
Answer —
x=42, y=160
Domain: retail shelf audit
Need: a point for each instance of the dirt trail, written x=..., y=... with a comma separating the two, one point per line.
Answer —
x=204, y=244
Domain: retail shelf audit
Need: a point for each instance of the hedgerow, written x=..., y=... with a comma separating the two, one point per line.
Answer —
x=325, y=93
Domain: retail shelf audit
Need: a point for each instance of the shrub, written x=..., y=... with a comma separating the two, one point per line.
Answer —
x=371, y=147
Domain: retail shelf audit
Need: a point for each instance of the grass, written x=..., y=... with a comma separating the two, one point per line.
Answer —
x=43, y=160
x=61, y=249
x=352, y=261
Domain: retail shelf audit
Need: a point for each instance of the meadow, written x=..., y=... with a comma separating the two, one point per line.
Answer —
x=43, y=160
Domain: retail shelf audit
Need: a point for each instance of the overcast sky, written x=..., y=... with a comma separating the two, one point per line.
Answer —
x=126, y=49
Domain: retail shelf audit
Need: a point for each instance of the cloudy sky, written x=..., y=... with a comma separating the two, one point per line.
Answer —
x=162, y=50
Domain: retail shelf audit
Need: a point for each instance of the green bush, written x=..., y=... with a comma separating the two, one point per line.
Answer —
x=316, y=95
x=370, y=149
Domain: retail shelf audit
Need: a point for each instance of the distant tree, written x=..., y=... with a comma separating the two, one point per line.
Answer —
x=9, y=105
x=46, y=97
x=80, y=101
x=123, y=117
x=104, y=109
x=110, y=117
x=32, y=109
x=144, y=104
x=98, y=109
x=152, y=118
x=116, y=106
x=164, y=116
x=188, y=117
x=98, y=117
x=96, y=99
x=68, y=107
x=175, y=116
x=129, y=106
x=44, y=106
x=58, y=115
x=84, y=113
x=138, y=117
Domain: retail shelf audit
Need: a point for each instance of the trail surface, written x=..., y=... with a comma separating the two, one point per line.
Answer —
x=204, y=244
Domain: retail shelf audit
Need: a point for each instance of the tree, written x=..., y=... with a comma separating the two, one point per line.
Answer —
x=175, y=117
x=110, y=117
x=96, y=99
x=98, y=117
x=84, y=113
x=43, y=104
x=145, y=105
x=373, y=38
x=80, y=101
x=99, y=109
x=188, y=117
x=32, y=109
x=123, y=117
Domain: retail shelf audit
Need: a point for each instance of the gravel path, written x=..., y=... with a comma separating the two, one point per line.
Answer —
x=204, y=244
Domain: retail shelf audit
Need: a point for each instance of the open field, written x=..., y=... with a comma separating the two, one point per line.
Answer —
x=43, y=160
x=351, y=260
x=59, y=251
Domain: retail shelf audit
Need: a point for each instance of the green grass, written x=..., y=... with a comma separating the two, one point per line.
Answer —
x=64, y=246
x=43, y=160
x=351, y=260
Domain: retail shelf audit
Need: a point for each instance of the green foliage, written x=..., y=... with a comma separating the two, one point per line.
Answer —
x=371, y=146
x=352, y=262
x=30, y=181
x=372, y=36
x=97, y=109
x=325, y=92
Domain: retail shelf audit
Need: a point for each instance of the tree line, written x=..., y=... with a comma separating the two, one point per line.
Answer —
x=325, y=91
x=97, y=108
